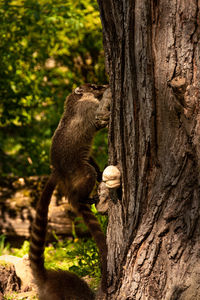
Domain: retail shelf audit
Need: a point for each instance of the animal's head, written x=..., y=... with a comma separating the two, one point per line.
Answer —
x=96, y=90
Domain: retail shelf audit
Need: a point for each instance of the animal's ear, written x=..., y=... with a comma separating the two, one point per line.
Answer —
x=78, y=91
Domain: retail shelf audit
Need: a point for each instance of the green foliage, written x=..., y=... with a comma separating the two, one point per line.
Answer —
x=15, y=296
x=47, y=48
x=20, y=252
x=103, y=220
x=4, y=247
x=100, y=148
x=78, y=255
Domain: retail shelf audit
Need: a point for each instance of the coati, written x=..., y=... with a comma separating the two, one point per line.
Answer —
x=86, y=111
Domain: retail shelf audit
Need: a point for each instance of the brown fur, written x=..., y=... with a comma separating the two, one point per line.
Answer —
x=86, y=111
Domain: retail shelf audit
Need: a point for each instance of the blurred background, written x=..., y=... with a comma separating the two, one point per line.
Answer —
x=47, y=48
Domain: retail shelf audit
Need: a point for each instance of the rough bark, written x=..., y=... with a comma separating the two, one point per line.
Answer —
x=153, y=58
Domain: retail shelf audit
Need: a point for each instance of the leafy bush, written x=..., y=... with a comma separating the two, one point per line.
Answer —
x=78, y=255
x=47, y=48
x=20, y=252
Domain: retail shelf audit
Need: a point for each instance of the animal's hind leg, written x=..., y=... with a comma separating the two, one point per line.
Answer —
x=94, y=173
x=78, y=198
x=79, y=188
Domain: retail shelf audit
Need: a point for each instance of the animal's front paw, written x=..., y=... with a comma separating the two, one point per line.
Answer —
x=102, y=120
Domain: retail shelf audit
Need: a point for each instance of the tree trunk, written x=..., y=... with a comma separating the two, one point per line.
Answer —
x=153, y=58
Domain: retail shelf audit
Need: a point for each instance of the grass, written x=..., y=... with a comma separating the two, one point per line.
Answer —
x=4, y=247
x=76, y=255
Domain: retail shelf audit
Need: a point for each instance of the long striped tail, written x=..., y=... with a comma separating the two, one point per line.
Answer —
x=39, y=229
x=99, y=237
